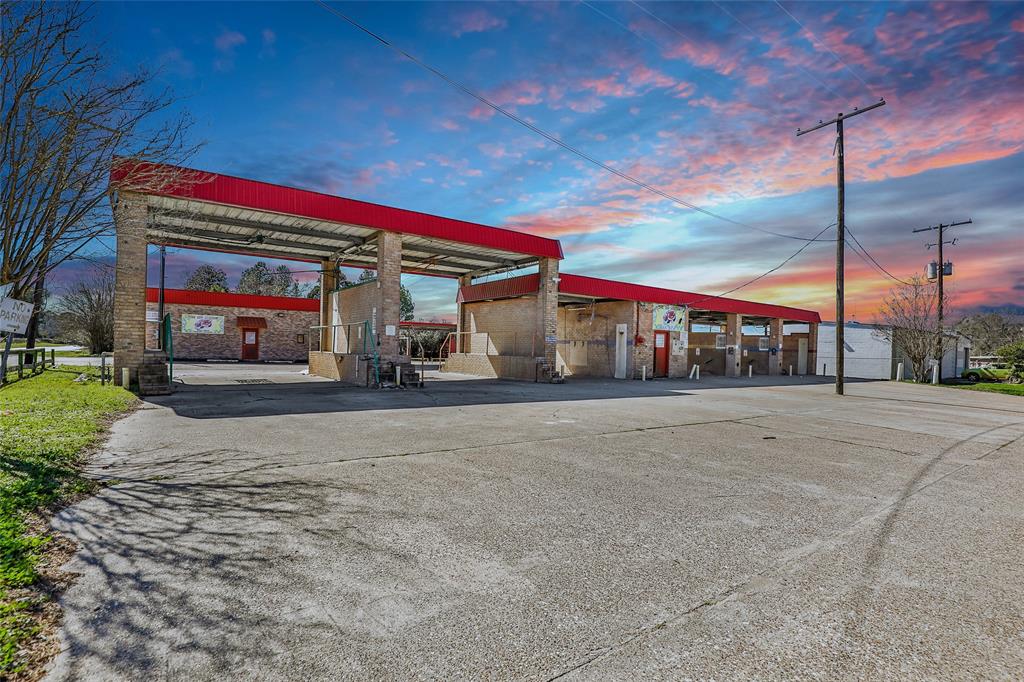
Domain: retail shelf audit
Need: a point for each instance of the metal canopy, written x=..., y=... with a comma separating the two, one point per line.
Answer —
x=200, y=210
x=188, y=223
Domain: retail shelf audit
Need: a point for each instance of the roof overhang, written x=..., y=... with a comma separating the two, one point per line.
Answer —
x=199, y=210
x=579, y=288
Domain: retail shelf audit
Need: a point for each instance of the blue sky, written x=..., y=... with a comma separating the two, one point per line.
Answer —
x=699, y=99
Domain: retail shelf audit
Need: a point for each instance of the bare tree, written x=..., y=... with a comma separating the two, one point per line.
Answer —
x=73, y=132
x=909, y=319
x=88, y=311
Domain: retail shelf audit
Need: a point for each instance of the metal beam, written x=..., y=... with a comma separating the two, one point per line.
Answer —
x=480, y=258
x=241, y=239
x=350, y=240
x=244, y=249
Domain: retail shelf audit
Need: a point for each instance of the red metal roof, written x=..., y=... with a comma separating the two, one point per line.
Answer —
x=263, y=196
x=248, y=322
x=595, y=287
x=225, y=300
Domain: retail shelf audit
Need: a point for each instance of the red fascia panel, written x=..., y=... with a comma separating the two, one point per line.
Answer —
x=500, y=288
x=263, y=196
x=226, y=300
x=605, y=288
x=596, y=287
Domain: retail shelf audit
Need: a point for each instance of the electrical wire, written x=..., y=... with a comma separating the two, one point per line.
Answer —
x=873, y=261
x=764, y=274
x=799, y=66
x=819, y=41
x=551, y=138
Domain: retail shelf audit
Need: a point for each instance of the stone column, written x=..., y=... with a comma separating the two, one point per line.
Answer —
x=130, y=215
x=389, y=282
x=547, y=311
x=775, y=347
x=461, y=323
x=328, y=280
x=734, y=341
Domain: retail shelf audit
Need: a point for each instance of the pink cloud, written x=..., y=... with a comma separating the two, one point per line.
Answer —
x=683, y=90
x=449, y=124
x=978, y=50
x=1018, y=25
x=475, y=21
x=609, y=86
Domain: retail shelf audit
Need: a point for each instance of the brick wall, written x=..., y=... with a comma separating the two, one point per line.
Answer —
x=277, y=342
x=509, y=324
x=586, y=343
x=711, y=361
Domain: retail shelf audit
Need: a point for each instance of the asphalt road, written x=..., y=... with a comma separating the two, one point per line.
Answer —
x=731, y=529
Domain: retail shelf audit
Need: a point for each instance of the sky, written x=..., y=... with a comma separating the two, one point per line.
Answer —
x=701, y=100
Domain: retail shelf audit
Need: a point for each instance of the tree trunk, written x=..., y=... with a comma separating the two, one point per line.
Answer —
x=33, y=324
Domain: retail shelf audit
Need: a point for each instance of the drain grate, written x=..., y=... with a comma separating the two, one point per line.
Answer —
x=253, y=381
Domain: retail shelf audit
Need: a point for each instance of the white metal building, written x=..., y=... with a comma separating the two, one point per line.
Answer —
x=869, y=355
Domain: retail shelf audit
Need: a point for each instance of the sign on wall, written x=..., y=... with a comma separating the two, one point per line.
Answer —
x=14, y=315
x=202, y=324
x=669, y=318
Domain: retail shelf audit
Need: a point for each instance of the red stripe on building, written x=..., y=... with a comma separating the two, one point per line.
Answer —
x=226, y=300
x=263, y=196
x=595, y=287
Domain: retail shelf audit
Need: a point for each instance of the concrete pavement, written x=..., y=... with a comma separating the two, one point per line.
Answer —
x=728, y=529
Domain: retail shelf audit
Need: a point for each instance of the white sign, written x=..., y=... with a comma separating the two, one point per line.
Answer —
x=14, y=315
x=152, y=316
x=389, y=330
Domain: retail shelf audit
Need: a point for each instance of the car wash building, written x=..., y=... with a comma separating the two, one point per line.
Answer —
x=612, y=329
x=210, y=325
x=358, y=337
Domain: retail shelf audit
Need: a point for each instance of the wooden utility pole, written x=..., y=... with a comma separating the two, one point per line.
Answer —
x=941, y=271
x=840, y=231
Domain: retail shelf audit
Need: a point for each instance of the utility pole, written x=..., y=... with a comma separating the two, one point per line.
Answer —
x=840, y=231
x=941, y=271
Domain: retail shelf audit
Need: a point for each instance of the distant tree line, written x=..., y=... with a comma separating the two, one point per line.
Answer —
x=261, y=280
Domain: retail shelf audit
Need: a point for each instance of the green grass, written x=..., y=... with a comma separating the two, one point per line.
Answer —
x=1006, y=389
x=47, y=423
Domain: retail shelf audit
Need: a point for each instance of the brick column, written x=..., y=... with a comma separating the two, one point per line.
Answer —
x=130, y=214
x=389, y=282
x=643, y=353
x=328, y=280
x=775, y=347
x=547, y=311
x=734, y=341
x=461, y=323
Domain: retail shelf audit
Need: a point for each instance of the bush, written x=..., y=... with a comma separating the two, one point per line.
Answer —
x=1013, y=356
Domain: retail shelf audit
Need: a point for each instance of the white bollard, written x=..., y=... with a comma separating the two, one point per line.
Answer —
x=643, y=373
x=791, y=370
x=899, y=372
x=935, y=374
x=698, y=372
x=750, y=371
x=693, y=371
x=125, y=377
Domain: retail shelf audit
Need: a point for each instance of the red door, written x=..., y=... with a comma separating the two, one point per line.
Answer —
x=250, y=344
x=661, y=354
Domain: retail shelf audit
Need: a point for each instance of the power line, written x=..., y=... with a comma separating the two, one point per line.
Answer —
x=819, y=41
x=799, y=66
x=873, y=260
x=551, y=138
x=764, y=274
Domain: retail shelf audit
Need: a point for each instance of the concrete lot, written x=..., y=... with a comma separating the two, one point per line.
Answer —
x=731, y=529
